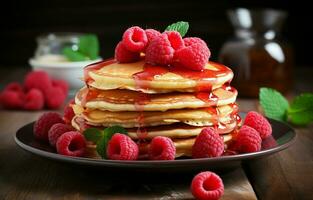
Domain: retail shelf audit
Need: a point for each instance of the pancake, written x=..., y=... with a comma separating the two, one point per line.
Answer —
x=183, y=147
x=178, y=130
x=194, y=117
x=138, y=76
x=127, y=100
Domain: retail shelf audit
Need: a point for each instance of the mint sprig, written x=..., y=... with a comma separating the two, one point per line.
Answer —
x=88, y=49
x=276, y=106
x=181, y=27
x=300, y=111
x=102, y=137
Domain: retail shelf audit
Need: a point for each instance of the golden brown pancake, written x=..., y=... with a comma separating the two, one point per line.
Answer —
x=127, y=100
x=194, y=117
x=178, y=130
x=108, y=75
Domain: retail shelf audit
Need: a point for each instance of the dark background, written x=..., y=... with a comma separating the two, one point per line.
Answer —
x=22, y=21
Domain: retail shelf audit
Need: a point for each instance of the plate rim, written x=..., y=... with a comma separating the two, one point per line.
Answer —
x=152, y=163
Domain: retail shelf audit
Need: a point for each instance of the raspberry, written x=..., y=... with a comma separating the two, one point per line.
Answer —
x=122, y=147
x=259, y=123
x=208, y=144
x=44, y=123
x=160, y=51
x=54, y=97
x=175, y=39
x=152, y=34
x=62, y=84
x=193, y=40
x=248, y=140
x=37, y=79
x=162, y=148
x=135, y=39
x=68, y=112
x=56, y=131
x=14, y=86
x=193, y=57
x=34, y=100
x=11, y=99
x=123, y=55
x=207, y=186
x=71, y=143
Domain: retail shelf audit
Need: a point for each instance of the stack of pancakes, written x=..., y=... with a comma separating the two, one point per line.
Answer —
x=152, y=101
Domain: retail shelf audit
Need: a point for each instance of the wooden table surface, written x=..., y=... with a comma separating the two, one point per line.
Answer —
x=285, y=175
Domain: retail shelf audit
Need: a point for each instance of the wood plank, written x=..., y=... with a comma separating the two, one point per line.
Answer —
x=288, y=174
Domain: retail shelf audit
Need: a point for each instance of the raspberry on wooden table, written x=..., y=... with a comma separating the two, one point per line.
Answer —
x=37, y=79
x=34, y=100
x=207, y=186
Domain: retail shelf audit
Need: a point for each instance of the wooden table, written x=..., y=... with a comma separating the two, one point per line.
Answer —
x=285, y=175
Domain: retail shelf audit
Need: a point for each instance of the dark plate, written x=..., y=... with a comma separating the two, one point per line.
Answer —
x=283, y=137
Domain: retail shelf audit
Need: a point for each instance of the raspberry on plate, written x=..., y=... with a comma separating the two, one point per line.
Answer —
x=54, y=97
x=11, y=99
x=162, y=148
x=122, y=147
x=207, y=186
x=56, y=131
x=44, y=123
x=152, y=34
x=135, y=39
x=248, y=140
x=71, y=143
x=259, y=123
x=160, y=51
x=37, y=79
x=208, y=144
x=34, y=100
x=123, y=55
x=68, y=112
x=193, y=57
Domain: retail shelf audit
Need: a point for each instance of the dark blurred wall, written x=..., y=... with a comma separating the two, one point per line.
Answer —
x=22, y=21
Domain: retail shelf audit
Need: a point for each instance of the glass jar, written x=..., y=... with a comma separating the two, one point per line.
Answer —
x=50, y=47
x=257, y=54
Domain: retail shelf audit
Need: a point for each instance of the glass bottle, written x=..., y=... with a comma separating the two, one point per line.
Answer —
x=257, y=54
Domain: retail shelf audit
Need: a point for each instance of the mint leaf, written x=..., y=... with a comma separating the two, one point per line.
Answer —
x=101, y=148
x=301, y=109
x=181, y=27
x=74, y=55
x=273, y=103
x=107, y=135
x=89, y=46
x=93, y=134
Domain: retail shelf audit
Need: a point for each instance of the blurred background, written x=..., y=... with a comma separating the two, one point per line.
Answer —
x=21, y=21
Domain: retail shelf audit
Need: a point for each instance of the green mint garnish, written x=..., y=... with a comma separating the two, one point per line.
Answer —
x=88, y=49
x=300, y=111
x=273, y=103
x=276, y=106
x=181, y=27
x=93, y=134
x=101, y=138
